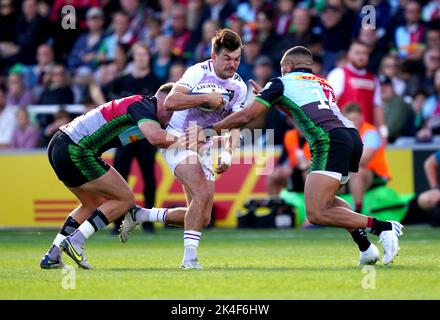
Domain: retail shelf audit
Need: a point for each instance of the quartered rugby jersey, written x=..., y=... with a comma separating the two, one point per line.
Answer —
x=112, y=124
x=308, y=99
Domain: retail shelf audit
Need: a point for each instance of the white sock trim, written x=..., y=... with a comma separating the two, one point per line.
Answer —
x=58, y=239
x=86, y=229
x=157, y=215
x=191, y=238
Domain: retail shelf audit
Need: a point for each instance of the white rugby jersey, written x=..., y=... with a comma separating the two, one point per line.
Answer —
x=203, y=72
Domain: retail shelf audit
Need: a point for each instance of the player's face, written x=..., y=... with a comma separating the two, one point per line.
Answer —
x=226, y=63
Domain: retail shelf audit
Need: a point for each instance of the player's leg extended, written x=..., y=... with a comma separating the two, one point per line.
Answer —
x=192, y=176
x=119, y=199
x=89, y=202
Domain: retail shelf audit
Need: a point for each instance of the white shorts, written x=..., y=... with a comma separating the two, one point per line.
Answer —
x=175, y=156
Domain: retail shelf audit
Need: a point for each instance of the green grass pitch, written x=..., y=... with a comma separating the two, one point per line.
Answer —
x=238, y=264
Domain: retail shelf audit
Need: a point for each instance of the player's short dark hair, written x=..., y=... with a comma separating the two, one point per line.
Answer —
x=226, y=39
x=166, y=88
x=352, y=107
x=299, y=50
x=300, y=55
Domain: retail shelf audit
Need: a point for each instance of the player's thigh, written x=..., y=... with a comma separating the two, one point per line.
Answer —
x=188, y=196
x=192, y=176
x=320, y=191
x=111, y=185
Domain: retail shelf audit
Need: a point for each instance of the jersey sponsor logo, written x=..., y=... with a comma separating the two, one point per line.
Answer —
x=361, y=83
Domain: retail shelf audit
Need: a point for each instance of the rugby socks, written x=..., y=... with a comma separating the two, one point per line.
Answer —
x=376, y=226
x=151, y=215
x=69, y=226
x=191, y=241
x=95, y=223
x=361, y=239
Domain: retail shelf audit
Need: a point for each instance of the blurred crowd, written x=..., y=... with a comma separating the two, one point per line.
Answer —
x=106, y=49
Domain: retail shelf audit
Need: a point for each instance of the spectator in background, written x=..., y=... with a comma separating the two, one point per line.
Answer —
x=431, y=11
x=335, y=35
x=251, y=51
x=389, y=67
x=292, y=165
x=17, y=94
x=163, y=58
x=416, y=123
x=203, y=49
x=353, y=83
x=176, y=72
x=139, y=13
x=433, y=38
x=25, y=135
x=266, y=33
x=284, y=16
x=7, y=121
x=431, y=112
x=31, y=31
x=60, y=118
x=249, y=10
x=397, y=112
x=410, y=37
x=195, y=10
x=376, y=50
x=85, y=51
x=425, y=206
x=34, y=76
x=179, y=32
x=8, y=19
x=373, y=167
x=57, y=88
x=217, y=10
x=119, y=34
x=431, y=62
x=300, y=34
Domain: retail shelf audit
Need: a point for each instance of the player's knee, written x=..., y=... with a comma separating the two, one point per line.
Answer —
x=202, y=196
x=206, y=221
x=314, y=216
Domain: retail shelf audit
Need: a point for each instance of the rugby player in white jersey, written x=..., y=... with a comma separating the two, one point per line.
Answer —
x=194, y=170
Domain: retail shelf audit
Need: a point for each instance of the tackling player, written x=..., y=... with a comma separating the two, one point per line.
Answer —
x=335, y=145
x=74, y=153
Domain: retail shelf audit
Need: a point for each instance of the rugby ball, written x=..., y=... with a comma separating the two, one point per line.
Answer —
x=209, y=88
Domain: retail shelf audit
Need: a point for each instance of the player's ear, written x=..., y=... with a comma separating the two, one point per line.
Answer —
x=213, y=56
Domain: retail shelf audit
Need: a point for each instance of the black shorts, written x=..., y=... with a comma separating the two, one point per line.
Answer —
x=73, y=164
x=337, y=152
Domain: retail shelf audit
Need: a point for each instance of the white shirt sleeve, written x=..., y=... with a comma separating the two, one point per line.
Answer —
x=336, y=78
x=239, y=104
x=191, y=77
x=377, y=95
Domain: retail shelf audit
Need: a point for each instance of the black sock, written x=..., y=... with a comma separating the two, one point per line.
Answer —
x=69, y=226
x=98, y=220
x=360, y=237
x=379, y=226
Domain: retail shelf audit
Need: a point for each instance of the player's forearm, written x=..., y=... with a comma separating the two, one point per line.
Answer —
x=179, y=101
x=162, y=139
x=233, y=121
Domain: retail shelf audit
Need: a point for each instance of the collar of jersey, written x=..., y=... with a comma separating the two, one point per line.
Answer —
x=306, y=70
